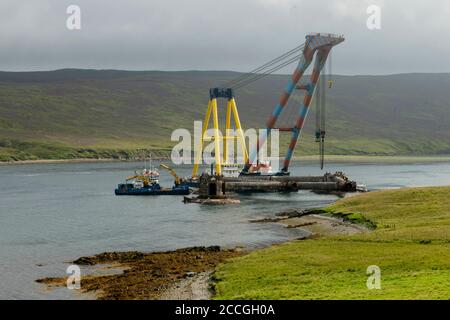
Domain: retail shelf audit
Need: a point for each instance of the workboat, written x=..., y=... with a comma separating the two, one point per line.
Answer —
x=146, y=183
x=153, y=189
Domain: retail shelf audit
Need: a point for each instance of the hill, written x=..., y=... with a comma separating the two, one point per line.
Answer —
x=75, y=113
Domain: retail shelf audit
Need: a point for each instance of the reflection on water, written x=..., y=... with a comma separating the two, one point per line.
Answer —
x=54, y=213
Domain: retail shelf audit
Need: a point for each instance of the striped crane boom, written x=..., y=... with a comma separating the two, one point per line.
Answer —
x=319, y=44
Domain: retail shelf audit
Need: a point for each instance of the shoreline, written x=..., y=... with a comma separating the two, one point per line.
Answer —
x=79, y=160
x=187, y=273
x=146, y=275
x=317, y=223
x=363, y=159
x=53, y=161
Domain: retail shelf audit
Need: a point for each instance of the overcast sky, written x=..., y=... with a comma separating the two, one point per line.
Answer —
x=221, y=34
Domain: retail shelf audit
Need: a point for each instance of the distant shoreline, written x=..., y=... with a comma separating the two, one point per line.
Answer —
x=377, y=159
x=313, y=158
x=80, y=160
x=58, y=161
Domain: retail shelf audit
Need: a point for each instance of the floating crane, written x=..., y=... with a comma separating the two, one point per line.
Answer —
x=216, y=185
x=316, y=45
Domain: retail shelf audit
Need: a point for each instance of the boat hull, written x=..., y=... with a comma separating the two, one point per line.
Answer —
x=152, y=191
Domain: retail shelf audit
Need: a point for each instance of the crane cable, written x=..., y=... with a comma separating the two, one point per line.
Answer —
x=263, y=70
x=264, y=66
x=259, y=76
x=266, y=69
x=322, y=121
x=320, y=118
x=321, y=109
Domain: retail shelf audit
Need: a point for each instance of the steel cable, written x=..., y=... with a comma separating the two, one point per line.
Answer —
x=251, y=74
x=259, y=76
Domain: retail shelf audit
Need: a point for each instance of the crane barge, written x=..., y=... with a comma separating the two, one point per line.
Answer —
x=318, y=45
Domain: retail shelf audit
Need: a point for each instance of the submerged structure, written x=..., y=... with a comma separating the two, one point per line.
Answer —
x=211, y=191
x=217, y=189
x=329, y=182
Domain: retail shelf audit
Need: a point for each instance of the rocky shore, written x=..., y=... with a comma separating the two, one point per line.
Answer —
x=186, y=273
x=147, y=275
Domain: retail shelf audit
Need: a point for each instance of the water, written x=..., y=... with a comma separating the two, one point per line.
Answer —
x=54, y=213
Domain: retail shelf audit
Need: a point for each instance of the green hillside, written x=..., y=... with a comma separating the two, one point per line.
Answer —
x=88, y=113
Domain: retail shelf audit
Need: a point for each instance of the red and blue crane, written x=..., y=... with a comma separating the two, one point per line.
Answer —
x=318, y=46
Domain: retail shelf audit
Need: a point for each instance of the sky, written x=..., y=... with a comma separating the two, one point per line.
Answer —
x=233, y=35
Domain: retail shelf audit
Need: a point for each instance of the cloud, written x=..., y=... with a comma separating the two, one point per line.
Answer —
x=220, y=35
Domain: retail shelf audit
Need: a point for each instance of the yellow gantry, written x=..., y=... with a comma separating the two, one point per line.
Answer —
x=220, y=158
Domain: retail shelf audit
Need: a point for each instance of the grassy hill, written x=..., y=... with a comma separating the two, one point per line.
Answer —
x=74, y=113
x=410, y=245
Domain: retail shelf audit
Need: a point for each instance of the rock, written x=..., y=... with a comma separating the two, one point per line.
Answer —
x=107, y=257
x=293, y=213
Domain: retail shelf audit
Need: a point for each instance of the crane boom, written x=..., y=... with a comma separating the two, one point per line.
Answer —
x=172, y=172
x=321, y=44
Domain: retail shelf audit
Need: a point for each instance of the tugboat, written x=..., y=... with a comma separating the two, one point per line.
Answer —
x=146, y=184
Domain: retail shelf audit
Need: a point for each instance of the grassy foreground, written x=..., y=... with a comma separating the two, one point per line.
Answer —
x=411, y=245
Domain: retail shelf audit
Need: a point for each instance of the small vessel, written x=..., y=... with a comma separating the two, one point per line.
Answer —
x=146, y=183
x=153, y=189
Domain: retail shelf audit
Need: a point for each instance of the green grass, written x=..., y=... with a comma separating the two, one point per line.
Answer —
x=404, y=214
x=411, y=245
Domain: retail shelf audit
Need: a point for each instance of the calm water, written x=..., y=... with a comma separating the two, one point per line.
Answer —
x=54, y=213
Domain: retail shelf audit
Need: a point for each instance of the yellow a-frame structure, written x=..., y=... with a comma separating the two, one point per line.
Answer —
x=215, y=93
